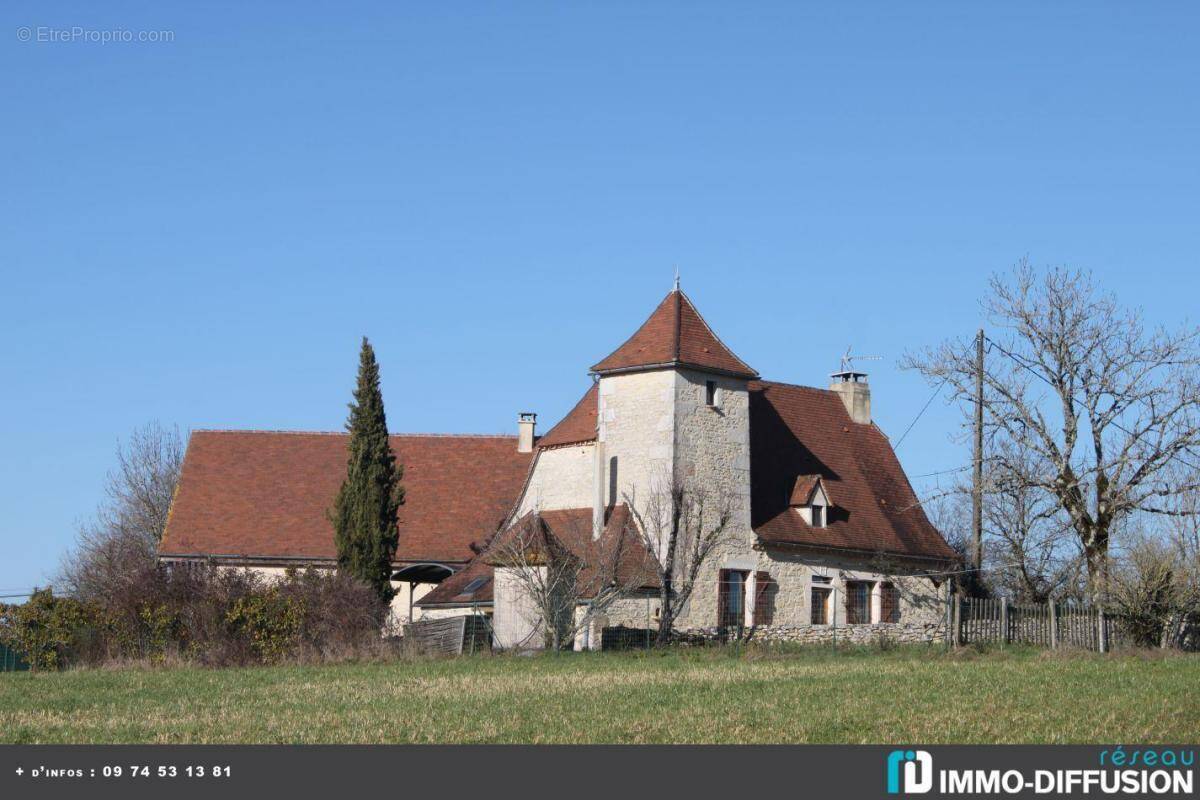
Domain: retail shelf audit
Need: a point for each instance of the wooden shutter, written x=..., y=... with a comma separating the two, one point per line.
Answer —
x=762, y=608
x=889, y=603
x=722, y=597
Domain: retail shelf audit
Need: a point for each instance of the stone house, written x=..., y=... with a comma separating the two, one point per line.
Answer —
x=824, y=537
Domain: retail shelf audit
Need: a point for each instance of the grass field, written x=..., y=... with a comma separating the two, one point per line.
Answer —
x=906, y=695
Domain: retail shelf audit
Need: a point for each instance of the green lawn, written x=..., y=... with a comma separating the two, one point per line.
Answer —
x=908, y=695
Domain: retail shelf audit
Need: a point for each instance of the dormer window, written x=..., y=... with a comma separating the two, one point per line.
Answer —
x=811, y=500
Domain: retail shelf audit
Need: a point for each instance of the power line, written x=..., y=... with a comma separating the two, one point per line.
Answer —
x=921, y=413
x=942, y=472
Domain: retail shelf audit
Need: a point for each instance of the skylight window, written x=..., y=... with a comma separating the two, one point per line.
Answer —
x=474, y=585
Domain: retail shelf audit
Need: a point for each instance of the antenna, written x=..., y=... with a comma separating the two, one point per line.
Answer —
x=676, y=277
x=848, y=360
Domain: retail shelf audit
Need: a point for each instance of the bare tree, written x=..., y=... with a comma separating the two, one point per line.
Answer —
x=949, y=510
x=566, y=576
x=115, y=546
x=1105, y=405
x=1034, y=554
x=682, y=527
x=1155, y=590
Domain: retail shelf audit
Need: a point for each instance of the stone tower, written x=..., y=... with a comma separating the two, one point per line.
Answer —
x=674, y=407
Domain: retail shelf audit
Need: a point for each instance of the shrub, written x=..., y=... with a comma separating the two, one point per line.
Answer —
x=270, y=621
x=44, y=630
x=202, y=614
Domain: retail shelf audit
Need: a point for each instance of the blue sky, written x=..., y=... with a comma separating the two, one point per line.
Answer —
x=199, y=231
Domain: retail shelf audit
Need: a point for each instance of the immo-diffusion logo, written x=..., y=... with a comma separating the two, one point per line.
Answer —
x=916, y=768
x=1141, y=772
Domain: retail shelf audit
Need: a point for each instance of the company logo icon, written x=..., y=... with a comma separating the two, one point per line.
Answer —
x=917, y=772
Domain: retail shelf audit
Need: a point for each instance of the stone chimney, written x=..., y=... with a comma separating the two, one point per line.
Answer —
x=855, y=393
x=526, y=423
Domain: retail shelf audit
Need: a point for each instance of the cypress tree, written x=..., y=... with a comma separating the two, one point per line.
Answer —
x=364, y=514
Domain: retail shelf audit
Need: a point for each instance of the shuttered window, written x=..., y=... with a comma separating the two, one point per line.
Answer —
x=731, y=598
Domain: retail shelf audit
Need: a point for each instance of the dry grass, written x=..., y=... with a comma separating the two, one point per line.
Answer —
x=906, y=695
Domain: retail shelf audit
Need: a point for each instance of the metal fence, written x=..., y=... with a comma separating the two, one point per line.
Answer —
x=10, y=660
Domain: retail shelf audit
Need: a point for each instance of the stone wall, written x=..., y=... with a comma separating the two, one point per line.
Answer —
x=712, y=443
x=896, y=633
x=637, y=427
x=562, y=478
x=517, y=620
x=712, y=455
x=922, y=601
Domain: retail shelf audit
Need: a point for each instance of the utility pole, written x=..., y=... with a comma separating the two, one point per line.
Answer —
x=977, y=488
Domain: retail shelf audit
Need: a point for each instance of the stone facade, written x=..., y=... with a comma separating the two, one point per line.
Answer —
x=790, y=590
x=561, y=478
x=637, y=431
x=515, y=619
x=713, y=457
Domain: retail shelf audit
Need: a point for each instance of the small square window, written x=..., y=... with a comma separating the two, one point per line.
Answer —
x=712, y=395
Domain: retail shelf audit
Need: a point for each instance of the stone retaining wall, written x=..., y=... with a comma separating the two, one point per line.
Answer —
x=898, y=633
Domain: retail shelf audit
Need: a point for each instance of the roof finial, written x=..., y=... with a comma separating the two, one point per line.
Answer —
x=677, y=277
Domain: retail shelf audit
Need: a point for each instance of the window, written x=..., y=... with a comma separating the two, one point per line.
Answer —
x=731, y=599
x=820, y=605
x=858, y=602
x=889, y=603
x=818, y=516
x=473, y=585
x=822, y=589
x=712, y=395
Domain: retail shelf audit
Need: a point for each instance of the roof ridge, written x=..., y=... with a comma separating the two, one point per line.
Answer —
x=679, y=322
x=784, y=384
x=275, y=432
x=711, y=333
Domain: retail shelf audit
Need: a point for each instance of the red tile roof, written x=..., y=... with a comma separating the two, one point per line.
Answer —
x=579, y=425
x=262, y=494
x=805, y=486
x=675, y=335
x=452, y=590
x=619, y=553
x=797, y=431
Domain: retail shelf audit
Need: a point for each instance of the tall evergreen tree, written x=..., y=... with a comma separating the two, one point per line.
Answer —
x=364, y=514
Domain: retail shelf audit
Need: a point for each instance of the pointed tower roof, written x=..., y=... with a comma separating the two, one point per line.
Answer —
x=675, y=335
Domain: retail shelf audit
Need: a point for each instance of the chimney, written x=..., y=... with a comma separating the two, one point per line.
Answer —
x=855, y=393
x=526, y=423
